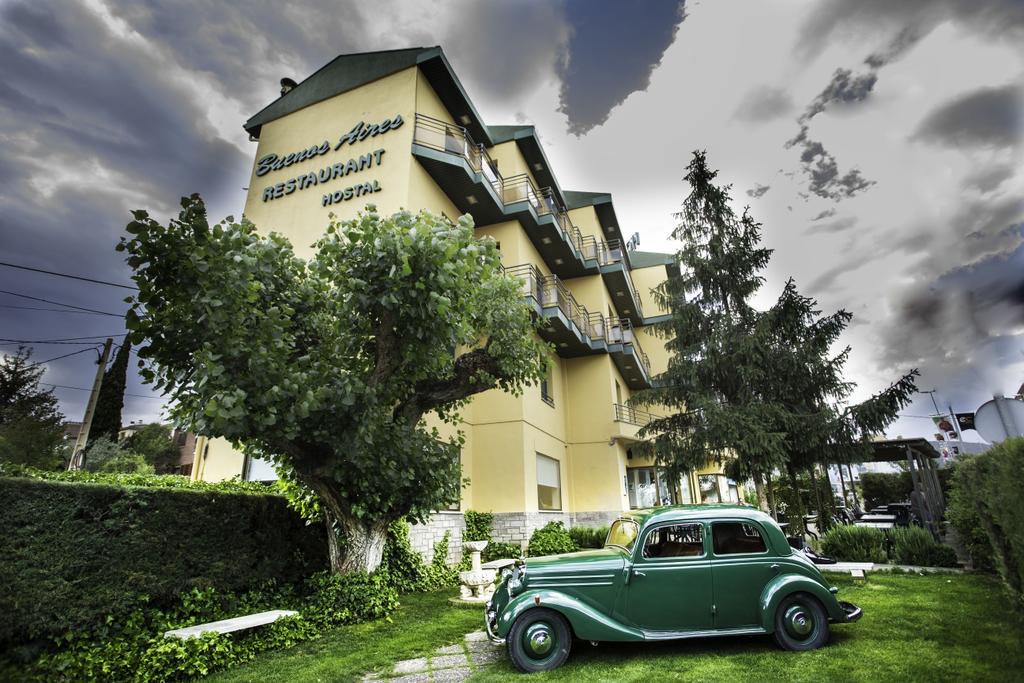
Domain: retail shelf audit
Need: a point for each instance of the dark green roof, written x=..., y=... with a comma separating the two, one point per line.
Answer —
x=575, y=199
x=347, y=72
x=649, y=259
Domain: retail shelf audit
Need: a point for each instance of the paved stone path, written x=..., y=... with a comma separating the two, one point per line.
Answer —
x=448, y=664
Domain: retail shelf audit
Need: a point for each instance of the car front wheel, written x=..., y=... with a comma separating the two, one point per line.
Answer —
x=539, y=640
x=801, y=623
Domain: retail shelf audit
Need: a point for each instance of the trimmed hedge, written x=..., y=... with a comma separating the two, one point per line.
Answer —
x=849, y=543
x=73, y=553
x=589, y=536
x=989, y=488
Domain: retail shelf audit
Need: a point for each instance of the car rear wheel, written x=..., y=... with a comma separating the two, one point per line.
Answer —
x=539, y=640
x=801, y=623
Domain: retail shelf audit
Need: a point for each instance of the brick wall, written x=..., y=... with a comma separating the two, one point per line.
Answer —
x=508, y=527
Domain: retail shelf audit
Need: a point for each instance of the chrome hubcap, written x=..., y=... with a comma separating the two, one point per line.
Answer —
x=798, y=621
x=539, y=640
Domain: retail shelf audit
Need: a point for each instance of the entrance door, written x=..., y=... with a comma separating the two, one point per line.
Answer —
x=670, y=588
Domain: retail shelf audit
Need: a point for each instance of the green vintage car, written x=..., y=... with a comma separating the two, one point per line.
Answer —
x=684, y=571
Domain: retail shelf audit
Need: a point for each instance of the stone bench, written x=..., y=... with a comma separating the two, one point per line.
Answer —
x=231, y=625
x=498, y=565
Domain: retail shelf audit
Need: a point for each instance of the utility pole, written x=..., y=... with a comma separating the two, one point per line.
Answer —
x=78, y=455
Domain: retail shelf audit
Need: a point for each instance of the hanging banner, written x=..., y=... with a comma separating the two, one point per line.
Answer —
x=965, y=420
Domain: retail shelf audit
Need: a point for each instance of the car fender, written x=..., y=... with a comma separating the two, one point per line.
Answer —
x=781, y=587
x=587, y=623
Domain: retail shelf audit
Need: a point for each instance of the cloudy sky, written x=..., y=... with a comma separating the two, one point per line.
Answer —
x=880, y=143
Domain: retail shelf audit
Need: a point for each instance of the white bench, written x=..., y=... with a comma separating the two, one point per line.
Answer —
x=231, y=625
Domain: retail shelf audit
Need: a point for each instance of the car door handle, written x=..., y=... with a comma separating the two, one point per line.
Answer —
x=637, y=572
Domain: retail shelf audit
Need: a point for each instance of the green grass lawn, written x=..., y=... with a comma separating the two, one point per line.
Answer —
x=423, y=623
x=927, y=628
x=922, y=628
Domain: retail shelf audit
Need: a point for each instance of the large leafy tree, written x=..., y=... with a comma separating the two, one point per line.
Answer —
x=154, y=443
x=106, y=420
x=31, y=425
x=330, y=364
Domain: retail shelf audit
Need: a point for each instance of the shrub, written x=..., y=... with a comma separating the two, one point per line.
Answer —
x=914, y=545
x=880, y=488
x=127, y=463
x=134, y=648
x=962, y=514
x=993, y=484
x=496, y=550
x=149, y=481
x=337, y=599
x=73, y=554
x=854, y=544
x=550, y=539
x=589, y=537
x=478, y=525
x=404, y=567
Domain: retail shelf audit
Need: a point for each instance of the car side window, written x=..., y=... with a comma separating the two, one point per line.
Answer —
x=675, y=540
x=736, y=538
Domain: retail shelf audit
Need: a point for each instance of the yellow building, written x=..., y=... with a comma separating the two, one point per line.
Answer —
x=397, y=129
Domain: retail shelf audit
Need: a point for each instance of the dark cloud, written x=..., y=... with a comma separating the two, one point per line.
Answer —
x=822, y=170
x=988, y=178
x=92, y=126
x=836, y=226
x=758, y=190
x=830, y=279
x=948, y=320
x=986, y=117
x=614, y=46
x=844, y=88
x=763, y=103
x=827, y=213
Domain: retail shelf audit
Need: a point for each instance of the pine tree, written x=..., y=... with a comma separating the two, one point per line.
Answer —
x=718, y=352
x=31, y=424
x=106, y=421
x=759, y=390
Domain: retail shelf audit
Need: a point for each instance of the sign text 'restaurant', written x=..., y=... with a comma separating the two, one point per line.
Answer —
x=323, y=175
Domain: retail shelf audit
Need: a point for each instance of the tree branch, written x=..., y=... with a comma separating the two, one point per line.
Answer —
x=464, y=382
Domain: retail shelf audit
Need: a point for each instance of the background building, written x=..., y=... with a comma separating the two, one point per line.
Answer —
x=396, y=129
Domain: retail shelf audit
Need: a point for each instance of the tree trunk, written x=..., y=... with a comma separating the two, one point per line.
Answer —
x=353, y=545
x=796, y=517
x=771, y=496
x=364, y=546
x=853, y=486
x=842, y=484
x=820, y=523
x=762, y=502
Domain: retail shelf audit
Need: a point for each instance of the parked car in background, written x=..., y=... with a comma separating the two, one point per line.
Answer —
x=686, y=571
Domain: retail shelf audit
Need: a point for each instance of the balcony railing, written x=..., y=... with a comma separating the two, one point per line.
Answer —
x=452, y=139
x=550, y=292
x=640, y=418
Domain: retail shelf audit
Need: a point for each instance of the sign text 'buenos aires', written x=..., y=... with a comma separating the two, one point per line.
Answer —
x=361, y=131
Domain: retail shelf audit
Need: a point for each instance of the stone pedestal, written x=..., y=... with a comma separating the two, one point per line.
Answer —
x=477, y=584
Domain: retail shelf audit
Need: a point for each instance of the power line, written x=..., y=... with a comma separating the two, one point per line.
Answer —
x=64, y=386
x=58, y=303
x=72, y=277
x=73, y=353
x=40, y=308
x=64, y=339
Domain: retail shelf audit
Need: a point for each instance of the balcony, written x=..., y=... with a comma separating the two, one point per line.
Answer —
x=628, y=421
x=468, y=175
x=575, y=331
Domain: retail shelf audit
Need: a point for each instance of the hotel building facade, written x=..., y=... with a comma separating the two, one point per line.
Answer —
x=397, y=129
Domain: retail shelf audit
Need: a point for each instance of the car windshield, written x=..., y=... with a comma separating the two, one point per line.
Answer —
x=623, y=533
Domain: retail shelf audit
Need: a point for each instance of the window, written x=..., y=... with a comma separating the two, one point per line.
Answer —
x=545, y=387
x=737, y=538
x=709, y=488
x=677, y=540
x=684, y=486
x=648, y=487
x=623, y=533
x=549, y=484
